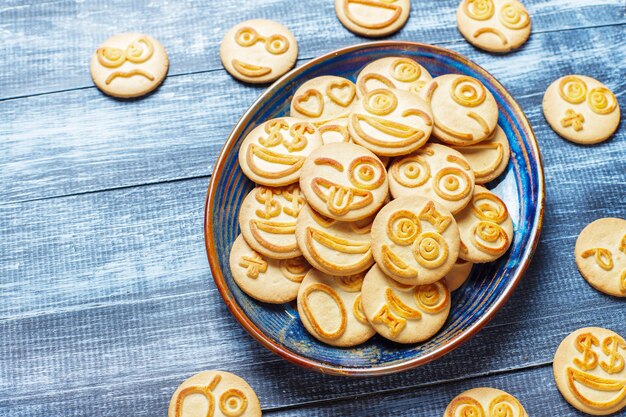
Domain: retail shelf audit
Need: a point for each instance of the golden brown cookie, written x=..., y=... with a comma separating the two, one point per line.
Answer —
x=216, y=394
x=373, y=18
x=601, y=255
x=488, y=158
x=330, y=309
x=392, y=72
x=404, y=314
x=485, y=402
x=581, y=109
x=129, y=65
x=273, y=153
x=337, y=131
x=323, y=99
x=589, y=370
x=258, y=51
x=458, y=274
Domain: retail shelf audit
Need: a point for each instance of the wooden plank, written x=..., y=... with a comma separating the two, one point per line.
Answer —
x=81, y=141
x=47, y=45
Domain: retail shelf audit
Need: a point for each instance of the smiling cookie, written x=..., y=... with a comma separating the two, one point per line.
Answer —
x=323, y=99
x=488, y=158
x=373, y=18
x=400, y=73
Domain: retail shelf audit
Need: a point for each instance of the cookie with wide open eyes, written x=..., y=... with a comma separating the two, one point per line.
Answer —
x=323, y=99
x=485, y=402
x=401, y=73
x=373, y=18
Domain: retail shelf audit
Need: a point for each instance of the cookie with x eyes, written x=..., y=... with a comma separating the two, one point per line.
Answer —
x=488, y=158
x=258, y=51
x=436, y=172
x=373, y=18
x=390, y=122
x=323, y=99
x=486, y=402
x=464, y=111
x=401, y=73
x=458, y=274
x=215, y=394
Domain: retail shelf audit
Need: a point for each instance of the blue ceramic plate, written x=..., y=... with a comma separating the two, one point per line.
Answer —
x=278, y=327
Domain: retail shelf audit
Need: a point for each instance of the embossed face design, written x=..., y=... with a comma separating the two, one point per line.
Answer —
x=373, y=17
x=392, y=72
x=485, y=402
x=323, y=98
x=488, y=158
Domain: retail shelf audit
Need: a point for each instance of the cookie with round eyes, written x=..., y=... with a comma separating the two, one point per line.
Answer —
x=323, y=99
x=215, y=394
x=465, y=112
x=494, y=25
x=589, y=370
x=344, y=181
x=601, y=255
x=434, y=171
x=396, y=72
x=274, y=152
x=581, y=109
x=486, y=227
x=373, y=18
x=129, y=65
x=390, y=122
x=488, y=158
x=330, y=309
x=485, y=402
x=267, y=219
x=458, y=274
x=404, y=313
x=258, y=51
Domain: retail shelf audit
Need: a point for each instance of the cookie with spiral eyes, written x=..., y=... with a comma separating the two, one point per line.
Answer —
x=404, y=313
x=396, y=72
x=458, y=274
x=436, y=172
x=258, y=51
x=581, y=109
x=415, y=240
x=390, y=122
x=273, y=153
x=330, y=309
x=373, y=18
x=465, y=112
x=267, y=219
x=486, y=227
x=264, y=279
x=323, y=99
x=494, y=25
x=215, y=394
x=344, y=181
x=488, y=158
x=485, y=402
x=601, y=255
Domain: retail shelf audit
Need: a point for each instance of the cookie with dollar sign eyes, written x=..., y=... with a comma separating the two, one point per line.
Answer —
x=400, y=73
x=485, y=402
x=373, y=18
x=323, y=99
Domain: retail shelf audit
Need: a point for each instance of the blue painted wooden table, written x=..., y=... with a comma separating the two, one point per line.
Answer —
x=106, y=298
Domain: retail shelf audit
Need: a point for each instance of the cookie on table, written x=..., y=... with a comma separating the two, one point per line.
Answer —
x=323, y=99
x=129, y=65
x=267, y=219
x=601, y=255
x=488, y=158
x=581, y=109
x=273, y=153
x=415, y=240
x=344, y=181
x=458, y=274
x=216, y=394
x=465, y=112
x=404, y=314
x=390, y=122
x=434, y=171
x=373, y=18
x=396, y=72
x=258, y=51
x=494, y=25
x=589, y=370
x=485, y=226
x=485, y=402
x=330, y=309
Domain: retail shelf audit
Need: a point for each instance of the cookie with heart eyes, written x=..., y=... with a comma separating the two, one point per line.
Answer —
x=323, y=99
x=401, y=73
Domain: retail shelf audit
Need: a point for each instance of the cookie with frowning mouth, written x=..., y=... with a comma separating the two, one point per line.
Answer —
x=397, y=72
x=487, y=402
x=373, y=18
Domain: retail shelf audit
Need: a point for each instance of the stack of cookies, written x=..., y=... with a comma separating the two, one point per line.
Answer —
x=370, y=206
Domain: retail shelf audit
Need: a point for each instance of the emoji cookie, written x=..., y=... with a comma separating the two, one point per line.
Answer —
x=337, y=131
x=589, y=370
x=488, y=158
x=601, y=255
x=390, y=122
x=373, y=18
x=404, y=314
x=485, y=402
x=458, y=274
x=258, y=51
x=334, y=247
x=485, y=226
x=464, y=111
x=581, y=109
x=434, y=171
x=323, y=99
x=267, y=219
x=264, y=279
x=415, y=240
x=215, y=394
x=274, y=152
x=494, y=25
x=330, y=309
x=129, y=65
x=344, y=181
x=392, y=72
